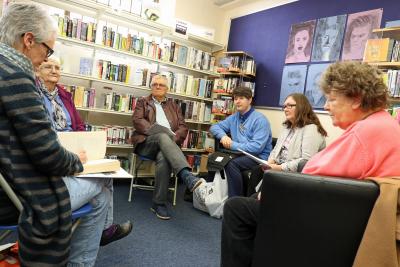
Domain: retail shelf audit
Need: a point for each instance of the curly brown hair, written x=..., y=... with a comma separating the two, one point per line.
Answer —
x=304, y=114
x=355, y=79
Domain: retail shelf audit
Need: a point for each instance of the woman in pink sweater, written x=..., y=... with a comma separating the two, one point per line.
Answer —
x=356, y=101
x=370, y=146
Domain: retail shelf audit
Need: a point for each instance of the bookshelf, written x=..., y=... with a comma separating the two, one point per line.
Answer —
x=142, y=48
x=237, y=68
x=391, y=68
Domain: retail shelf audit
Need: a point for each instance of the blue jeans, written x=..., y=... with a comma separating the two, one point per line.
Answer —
x=86, y=238
x=234, y=170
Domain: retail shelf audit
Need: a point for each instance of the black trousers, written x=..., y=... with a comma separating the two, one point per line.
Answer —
x=239, y=225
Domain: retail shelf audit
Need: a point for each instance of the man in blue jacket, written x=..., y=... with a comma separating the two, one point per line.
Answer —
x=250, y=131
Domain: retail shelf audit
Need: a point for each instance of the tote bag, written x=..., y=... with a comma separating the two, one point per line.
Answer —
x=210, y=197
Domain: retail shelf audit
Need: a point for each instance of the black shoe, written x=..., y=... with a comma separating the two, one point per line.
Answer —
x=121, y=231
x=161, y=211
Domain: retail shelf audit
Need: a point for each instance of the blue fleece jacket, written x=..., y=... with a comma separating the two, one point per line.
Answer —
x=250, y=132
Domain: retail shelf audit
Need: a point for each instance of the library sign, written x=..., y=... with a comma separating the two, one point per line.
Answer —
x=181, y=28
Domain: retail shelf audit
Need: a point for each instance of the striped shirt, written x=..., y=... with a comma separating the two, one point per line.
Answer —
x=33, y=162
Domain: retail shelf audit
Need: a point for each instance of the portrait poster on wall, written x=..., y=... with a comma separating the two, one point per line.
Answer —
x=300, y=42
x=328, y=38
x=358, y=30
x=313, y=91
x=293, y=80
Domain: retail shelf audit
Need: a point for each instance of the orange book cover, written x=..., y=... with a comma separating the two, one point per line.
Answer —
x=378, y=50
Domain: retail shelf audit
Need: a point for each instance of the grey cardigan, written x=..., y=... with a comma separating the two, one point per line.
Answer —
x=305, y=143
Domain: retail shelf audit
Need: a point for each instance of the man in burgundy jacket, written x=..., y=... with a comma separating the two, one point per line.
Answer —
x=163, y=148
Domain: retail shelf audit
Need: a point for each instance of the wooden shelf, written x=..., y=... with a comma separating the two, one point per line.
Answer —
x=193, y=150
x=385, y=64
x=226, y=94
x=124, y=146
x=238, y=53
x=395, y=100
x=198, y=122
x=241, y=74
x=393, y=33
x=104, y=111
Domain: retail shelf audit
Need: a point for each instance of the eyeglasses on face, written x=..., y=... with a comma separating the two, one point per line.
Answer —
x=161, y=85
x=288, y=106
x=49, y=50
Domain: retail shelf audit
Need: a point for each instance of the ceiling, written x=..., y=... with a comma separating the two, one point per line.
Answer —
x=231, y=4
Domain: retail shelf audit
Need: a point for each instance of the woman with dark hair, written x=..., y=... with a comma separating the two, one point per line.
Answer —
x=299, y=49
x=302, y=136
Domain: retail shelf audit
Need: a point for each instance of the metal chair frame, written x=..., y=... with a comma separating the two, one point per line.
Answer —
x=76, y=215
x=137, y=161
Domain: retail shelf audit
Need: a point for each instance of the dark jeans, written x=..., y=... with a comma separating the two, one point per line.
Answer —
x=168, y=157
x=239, y=227
x=234, y=170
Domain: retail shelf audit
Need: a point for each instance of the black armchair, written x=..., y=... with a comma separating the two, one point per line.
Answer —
x=311, y=221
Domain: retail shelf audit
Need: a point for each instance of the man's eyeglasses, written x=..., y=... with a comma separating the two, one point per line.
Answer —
x=288, y=106
x=158, y=85
x=49, y=50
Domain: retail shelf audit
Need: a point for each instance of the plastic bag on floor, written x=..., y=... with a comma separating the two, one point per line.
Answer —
x=210, y=197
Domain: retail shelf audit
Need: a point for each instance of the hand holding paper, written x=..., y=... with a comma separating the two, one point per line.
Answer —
x=261, y=161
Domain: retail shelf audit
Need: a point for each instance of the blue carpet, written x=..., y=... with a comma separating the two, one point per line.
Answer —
x=190, y=238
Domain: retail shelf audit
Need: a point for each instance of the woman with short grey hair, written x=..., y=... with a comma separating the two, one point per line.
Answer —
x=31, y=158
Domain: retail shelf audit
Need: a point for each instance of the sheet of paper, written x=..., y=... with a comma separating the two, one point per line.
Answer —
x=261, y=161
x=118, y=174
x=94, y=143
x=6, y=246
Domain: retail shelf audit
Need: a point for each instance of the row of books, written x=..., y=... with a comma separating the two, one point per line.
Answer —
x=196, y=139
x=382, y=50
x=86, y=98
x=187, y=84
x=237, y=64
x=223, y=105
x=113, y=72
x=116, y=135
x=119, y=102
x=76, y=28
x=392, y=80
x=82, y=97
x=168, y=51
x=193, y=110
x=226, y=85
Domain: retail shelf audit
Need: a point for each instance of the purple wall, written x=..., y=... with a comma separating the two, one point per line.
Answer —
x=265, y=35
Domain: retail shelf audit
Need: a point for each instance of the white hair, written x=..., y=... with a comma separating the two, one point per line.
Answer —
x=20, y=18
x=159, y=77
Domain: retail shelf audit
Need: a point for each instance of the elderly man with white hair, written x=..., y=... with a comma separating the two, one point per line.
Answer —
x=161, y=147
x=31, y=158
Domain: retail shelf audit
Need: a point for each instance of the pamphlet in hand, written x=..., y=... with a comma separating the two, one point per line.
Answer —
x=157, y=128
x=261, y=161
